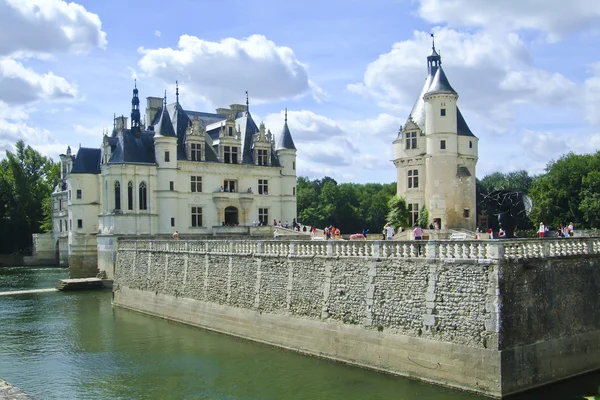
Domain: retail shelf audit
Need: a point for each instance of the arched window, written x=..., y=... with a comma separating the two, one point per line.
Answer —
x=143, y=198
x=117, y=195
x=130, y=195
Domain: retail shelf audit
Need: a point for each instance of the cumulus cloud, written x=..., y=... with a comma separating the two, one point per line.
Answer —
x=157, y=33
x=20, y=85
x=223, y=71
x=40, y=139
x=591, y=95
x=556, y=18
x=491, y=71
x=350, y=150
x=43, y=27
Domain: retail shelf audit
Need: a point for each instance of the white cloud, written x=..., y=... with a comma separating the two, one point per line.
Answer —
x=40, y=139
x=591, y=95
x=491, y=71
x=555, y=18
x=223, y=71
x=20, y=85
x=157, y=33
x=43, y=27
x=349, y=150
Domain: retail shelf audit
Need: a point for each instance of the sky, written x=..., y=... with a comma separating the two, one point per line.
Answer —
x=527, y=73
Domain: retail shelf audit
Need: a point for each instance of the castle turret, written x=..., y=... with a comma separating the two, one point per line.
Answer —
x=435, y=154
x=165, y=147
x=286, y=153
x=135, y=113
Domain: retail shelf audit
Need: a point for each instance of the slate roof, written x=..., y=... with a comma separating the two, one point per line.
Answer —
x=417, y=114
x=87, y=161
x=164, y=127
x=128, y=148
x=285, y=140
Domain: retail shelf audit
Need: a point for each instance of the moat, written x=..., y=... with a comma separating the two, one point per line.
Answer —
x=62, y=345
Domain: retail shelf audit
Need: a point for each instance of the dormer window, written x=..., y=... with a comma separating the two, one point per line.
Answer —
x=230, y=131
x=230, y=155
x=195, y=152
x=262, y=157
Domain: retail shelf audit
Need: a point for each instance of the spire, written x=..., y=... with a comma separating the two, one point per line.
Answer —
x=177, y=92
x=164, y=127
x=440, y=83
x=165, y=99
x=135, y=111
x=433, y=60
x=285, y=139
x=247, y=102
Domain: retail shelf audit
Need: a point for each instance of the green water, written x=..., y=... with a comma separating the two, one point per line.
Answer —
x=77, y=346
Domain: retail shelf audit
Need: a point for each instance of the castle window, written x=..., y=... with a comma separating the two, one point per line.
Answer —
x=230, y=154
x=69, y=194
x=71, y=224
x=466, y=213
x=470, y=144
x=443, y=144
x=229, y=185
x=413, y=213
x=171, y=186
x=196, y=184
x=167, y=156
x=130, y=195
x=262, y=157
x=263, y=216
x=196, y=217
x=172, y=221
x=143, y=197
x=195, y=152
x=117, y=195
x=411, y=140
x=79, y=194
x=294, y=165
x=60, y=225
x=443, y=112
x=263, y=186
x=230, y=131
x=59, y=204
x=413, y=178
x=294, y=190
x=79, y=223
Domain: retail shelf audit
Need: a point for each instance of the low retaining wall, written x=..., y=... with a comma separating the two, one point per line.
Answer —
x=492, y=317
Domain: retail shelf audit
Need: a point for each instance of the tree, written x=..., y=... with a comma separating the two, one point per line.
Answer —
x=398, y=212
x=26, y=182
x=423, y=220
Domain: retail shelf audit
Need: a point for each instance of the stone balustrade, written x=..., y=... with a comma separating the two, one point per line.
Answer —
x=476, y=250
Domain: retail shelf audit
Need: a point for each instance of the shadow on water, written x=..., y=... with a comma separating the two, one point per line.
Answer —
x=77, y=346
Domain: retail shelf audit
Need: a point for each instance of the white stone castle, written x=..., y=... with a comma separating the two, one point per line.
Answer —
x=186, y=171
x=435, y=155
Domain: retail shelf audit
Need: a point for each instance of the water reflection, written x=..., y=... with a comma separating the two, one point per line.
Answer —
x=76, y=346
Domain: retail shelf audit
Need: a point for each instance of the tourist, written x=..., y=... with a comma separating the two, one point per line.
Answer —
x=176, y=235
x=275, y=234
x=389, y=229
x=571, y=229
x=274, y=222
x=418, y=232
x=400, y=229
x=365, y=232
x=501, y=233
x=541, y=230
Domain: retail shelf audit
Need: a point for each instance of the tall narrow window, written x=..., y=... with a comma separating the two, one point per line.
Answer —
x=411, y=140
x=195, y=152
x=413, y=178
x=167, y=156
x=294, y=165
x=79, y=194
x=263, y=186
x=130, y=195
x=196, y=217
x=79, y=224
x=230, y=130
x=171, y=186
x=413, y=213
x=230, y=186
x=466, y=213
x=60, y=225
x=172, y=221
x=117, y=195
x=470, y=144
x=262, y=157
x=143, y=199
x=196, y=184
x=443, y=112
x=263, y=216
x=443, y=144
x=294, y=190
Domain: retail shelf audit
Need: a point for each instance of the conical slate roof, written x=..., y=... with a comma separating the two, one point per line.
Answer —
x=285, y=140
x=164, y=127
x=440, y=83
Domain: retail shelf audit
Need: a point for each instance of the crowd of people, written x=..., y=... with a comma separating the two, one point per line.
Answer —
x=561, y=231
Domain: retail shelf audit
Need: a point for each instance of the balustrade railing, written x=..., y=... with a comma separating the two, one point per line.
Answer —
x=513, y=249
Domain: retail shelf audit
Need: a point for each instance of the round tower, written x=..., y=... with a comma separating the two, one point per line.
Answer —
x=286, y=153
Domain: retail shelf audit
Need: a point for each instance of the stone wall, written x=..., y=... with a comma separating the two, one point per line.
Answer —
x=481, y=316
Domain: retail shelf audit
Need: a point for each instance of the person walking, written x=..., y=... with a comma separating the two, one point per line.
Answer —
x=418, y=232
x=275, y=234
x=389, y=229
x=541, y=230
x=176, y=235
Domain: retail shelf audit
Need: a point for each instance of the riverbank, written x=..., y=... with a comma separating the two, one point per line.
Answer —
x=9, y=392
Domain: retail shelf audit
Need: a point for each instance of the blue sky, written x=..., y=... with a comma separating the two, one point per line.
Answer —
x=527, y=72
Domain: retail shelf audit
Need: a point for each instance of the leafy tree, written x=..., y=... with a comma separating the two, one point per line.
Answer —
x=398, y=214
x=423, y=219
x=26, y=182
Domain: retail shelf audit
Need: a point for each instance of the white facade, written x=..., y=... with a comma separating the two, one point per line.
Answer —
x=436, y=154
x=191, y=172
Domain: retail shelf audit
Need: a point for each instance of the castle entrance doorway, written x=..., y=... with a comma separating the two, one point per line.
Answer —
x=231, y=216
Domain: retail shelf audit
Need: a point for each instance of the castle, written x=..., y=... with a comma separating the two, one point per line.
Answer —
x=186, y=171
x=435, y=155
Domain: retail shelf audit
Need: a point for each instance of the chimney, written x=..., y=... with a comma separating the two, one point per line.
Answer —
x=121, y=123
x=153, y=104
